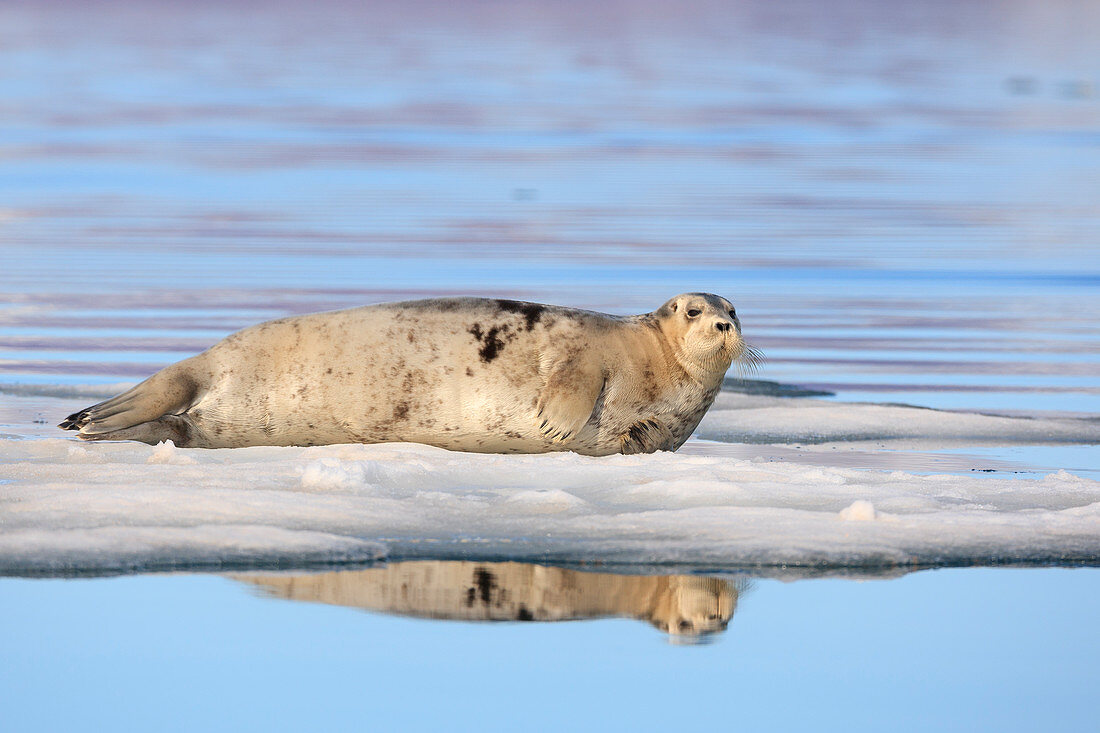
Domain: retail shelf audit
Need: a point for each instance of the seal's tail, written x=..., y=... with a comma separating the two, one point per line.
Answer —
x=170, y=391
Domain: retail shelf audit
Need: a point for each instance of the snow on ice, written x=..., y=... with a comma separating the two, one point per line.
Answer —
x=72, y=507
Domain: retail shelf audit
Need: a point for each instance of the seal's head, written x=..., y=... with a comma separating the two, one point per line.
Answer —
x=704, y=333
x=690, y=609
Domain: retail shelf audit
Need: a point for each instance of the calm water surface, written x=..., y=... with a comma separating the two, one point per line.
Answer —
x=965, y=650
x=901, y=198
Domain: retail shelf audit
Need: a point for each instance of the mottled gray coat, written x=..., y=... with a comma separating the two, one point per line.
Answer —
x=495, y=376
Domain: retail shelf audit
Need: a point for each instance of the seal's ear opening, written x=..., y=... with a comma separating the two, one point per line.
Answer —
x=668, y=308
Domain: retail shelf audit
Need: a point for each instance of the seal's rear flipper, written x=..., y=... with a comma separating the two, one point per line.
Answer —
x=176, y=428
x=169, y=392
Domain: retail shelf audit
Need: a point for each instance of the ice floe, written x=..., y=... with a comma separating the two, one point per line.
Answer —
x=739, y=418
x=73, y=507
x=67, y=507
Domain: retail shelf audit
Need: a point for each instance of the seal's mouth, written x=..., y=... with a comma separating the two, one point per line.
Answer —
x=715, y=350
x=717, y=353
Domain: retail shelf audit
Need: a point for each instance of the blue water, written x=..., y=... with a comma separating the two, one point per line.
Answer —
x=900, y=198
x=957, y=650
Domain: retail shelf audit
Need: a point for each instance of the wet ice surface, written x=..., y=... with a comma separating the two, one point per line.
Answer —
x=746, y=419
x=73, y=507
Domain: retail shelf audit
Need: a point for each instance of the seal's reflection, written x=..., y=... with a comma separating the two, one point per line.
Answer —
x=688, y=607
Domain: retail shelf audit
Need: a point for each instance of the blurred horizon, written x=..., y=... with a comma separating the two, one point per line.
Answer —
x=896, y=195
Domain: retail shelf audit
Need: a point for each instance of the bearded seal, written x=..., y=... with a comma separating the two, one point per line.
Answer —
x=469, y=374
x=687, y=607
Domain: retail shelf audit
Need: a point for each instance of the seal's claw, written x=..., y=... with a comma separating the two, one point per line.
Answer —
x=647, y=436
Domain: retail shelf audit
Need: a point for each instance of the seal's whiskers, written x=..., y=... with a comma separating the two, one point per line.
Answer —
x=750, y=361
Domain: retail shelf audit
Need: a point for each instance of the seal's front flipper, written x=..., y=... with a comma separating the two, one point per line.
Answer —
x=567, y=400
x=646, y=436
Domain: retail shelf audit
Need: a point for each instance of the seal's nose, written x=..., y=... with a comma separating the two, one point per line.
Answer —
x=723, y=325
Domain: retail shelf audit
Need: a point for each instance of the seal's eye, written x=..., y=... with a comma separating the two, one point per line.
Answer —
x=733, y=313
x=693, y=312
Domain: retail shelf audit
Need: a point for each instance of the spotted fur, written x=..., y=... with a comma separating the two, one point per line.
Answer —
x=461, y=373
